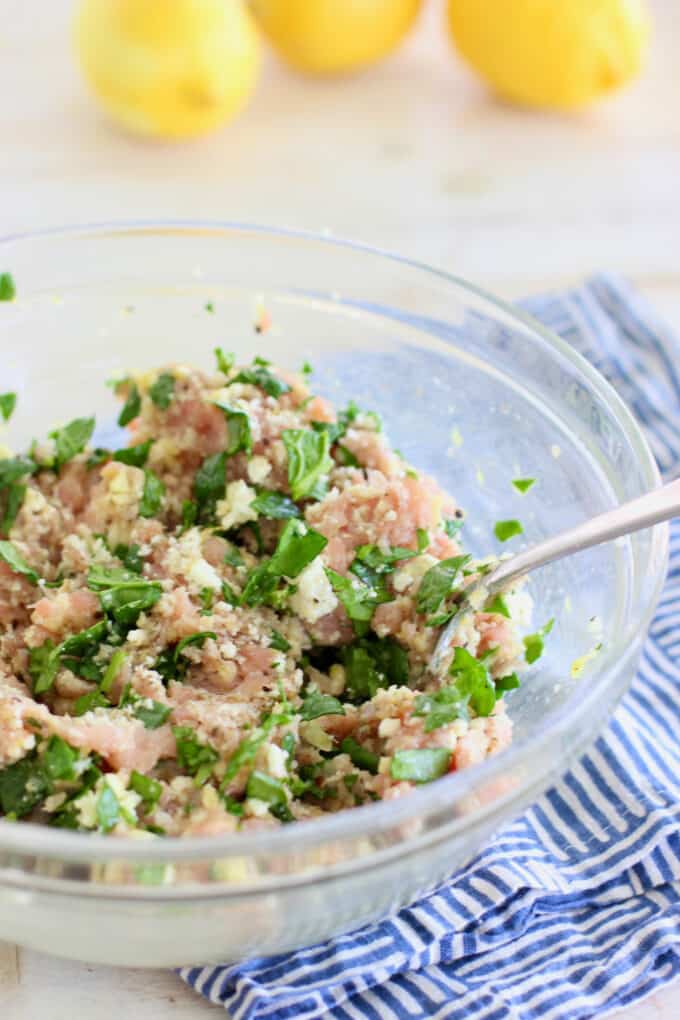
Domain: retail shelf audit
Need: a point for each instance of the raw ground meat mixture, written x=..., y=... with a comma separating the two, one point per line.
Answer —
x=226, y=624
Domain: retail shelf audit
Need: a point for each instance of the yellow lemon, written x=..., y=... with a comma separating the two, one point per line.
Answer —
x=169, y=68
x=334, y=36
x=558, y=54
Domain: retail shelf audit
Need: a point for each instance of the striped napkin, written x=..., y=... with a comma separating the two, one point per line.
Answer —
x=574, y=910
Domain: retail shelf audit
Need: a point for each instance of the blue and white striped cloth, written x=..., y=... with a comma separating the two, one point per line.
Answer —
x=574, y=910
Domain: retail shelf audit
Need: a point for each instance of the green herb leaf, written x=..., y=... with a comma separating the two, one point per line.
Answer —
x=278, y=641
x=233, y=557
x=210, y=484
x=112, y=670
x=14, y=501
x=296, y=548
x=162, y=391
x=262, y=786
x=523, y=484
x=88, y=702
x=345, y=457
x=43, y=666
x=154, y=715
x=421, y=765
x=189, y=514
x=473, y=681
x=123, y=595
x=239, y=436
x=225, y=362
x=171, y=664
x=262, y=377
x=135, y=456
x=317, y=704
x=452, y=525
x=507, y=683
x=503, y=530
x=7, y=404
x=129, y=557
x=441, y=707
x=98, y=457
x=149, y=790
x=360, y=756
x=359, y=599
x=7, y=287
x=192, y=755
x=108, y=809
x=498, y=605
x=131, y=407
x=23, y=786
x=16, y=562
x=438, y=583
x=309, y=462
x=372, y=663
x=14, y=468
x=275, y=506
x=72, y=439
x=423, y=539
x=59, y=758
x=152, y=495
x=534, y=643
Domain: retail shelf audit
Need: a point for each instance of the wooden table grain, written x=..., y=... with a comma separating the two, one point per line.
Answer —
x=412, y=156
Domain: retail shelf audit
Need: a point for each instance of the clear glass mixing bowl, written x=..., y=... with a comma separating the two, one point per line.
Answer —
x=432, y=354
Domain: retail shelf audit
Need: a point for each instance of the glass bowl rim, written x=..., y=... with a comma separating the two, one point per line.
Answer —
x=40, y=841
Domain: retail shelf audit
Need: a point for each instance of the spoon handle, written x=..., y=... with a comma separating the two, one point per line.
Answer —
x=659, y=505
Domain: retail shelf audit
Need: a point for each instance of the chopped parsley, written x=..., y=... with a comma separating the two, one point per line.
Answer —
x=130, y=558
x=16, y=562
x=132, y=405
x=210, y=485
x=498, y=605
x=172, y=664
x=473, y=681
x=149, y=790
x=108, y=809
x=259, y=375
x=152, y=495
x=278, y=642
x=239, y=436
x=88, y=702
x=275, y=505
x=23, y=786
x=523, y=484
x=503, y=530
x=262, y=786
x=317, y=704
x=534, y=644
x=423, y=539
x=438, y=583
x=154, y=715
x=12, y=490
x=123, y=595
x=135, y=456
x=225, y=362
x=112, y=670
x=421, y=765
x=309, y=462
x=162, y=391
x=71, y=440
x=452, y=525
x=441, y=708
x=360, y=756
x=193, y=756
x=358, y=598
x=7, y=404
x=371, y=663
x=7, y=287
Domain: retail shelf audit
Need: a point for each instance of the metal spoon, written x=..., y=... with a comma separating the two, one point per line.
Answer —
x=659, y=505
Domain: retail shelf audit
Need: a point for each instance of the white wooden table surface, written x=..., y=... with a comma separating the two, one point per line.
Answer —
x=412, y=156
